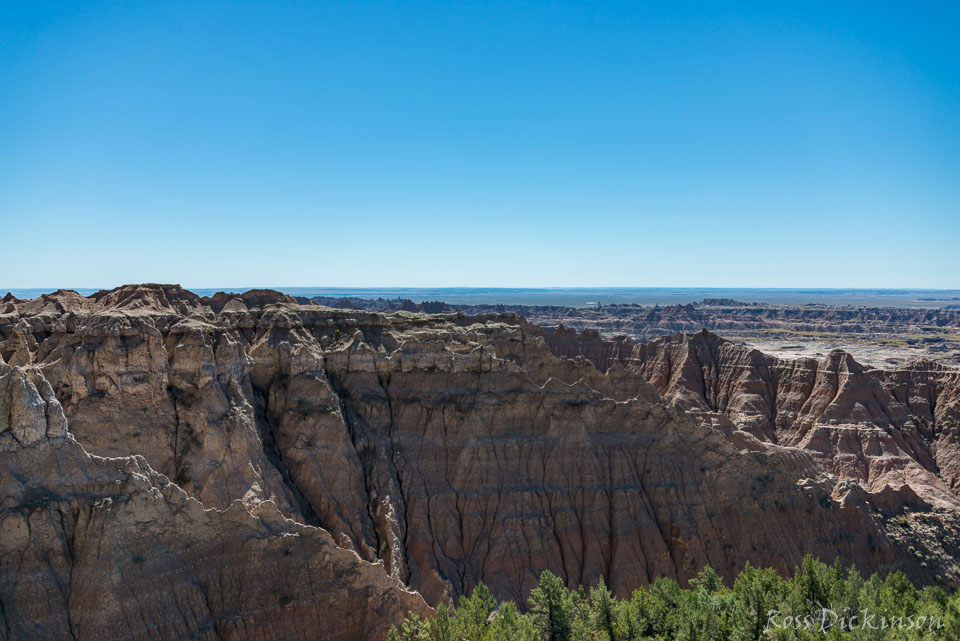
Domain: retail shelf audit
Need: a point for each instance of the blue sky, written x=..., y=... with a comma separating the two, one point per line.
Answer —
x=480, y=144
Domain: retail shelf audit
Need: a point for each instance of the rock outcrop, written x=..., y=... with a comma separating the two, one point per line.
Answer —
x=437, y=452
x=725, y=316
x=897, y=427
x=107, y=548
x=883, y=335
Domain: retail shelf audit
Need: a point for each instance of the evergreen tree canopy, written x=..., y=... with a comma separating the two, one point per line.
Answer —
x=820, y=602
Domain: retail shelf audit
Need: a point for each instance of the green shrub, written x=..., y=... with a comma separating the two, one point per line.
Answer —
x=760, y=604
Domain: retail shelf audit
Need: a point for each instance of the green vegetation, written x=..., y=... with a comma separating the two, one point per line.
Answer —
x=819, y=602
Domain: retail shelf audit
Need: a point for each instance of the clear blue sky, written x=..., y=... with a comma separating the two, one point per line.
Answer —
x=483, y=143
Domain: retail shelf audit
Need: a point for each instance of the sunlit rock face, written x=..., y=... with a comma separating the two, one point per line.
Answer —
x=311, y=463
x=107, y=548
x=879, y=428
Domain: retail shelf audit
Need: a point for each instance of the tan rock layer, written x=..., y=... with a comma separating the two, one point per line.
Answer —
x=451, y=449
x=106, y=548
x=877, y=427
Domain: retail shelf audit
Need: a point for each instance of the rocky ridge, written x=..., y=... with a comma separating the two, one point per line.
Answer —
x=718, y=315
x=874, y=426
x=882, y=335
x=107, y=548
x=429, y=451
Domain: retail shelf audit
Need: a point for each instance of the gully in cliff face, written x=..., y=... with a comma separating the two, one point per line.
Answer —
x=345, y=459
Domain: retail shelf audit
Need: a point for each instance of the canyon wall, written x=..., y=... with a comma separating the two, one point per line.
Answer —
x=314, y=460
x=106, y=548
x=876, y=427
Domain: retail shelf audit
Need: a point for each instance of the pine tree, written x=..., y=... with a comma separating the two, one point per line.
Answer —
x=552, y=606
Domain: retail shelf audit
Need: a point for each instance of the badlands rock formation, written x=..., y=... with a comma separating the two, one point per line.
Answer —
x=733, y=317
x=107, y=548
x=876, y=427
x=312, y=462
x=880, y=335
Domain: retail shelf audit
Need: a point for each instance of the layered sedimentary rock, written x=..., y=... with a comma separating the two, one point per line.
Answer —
x=107, y=548
x=881, y=335
x=897, y=427
x=730, y=316
x=436, y=451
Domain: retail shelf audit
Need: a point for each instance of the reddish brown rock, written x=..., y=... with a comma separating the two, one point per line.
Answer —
x=106, y=548
x=877, y=427
x=452, y=450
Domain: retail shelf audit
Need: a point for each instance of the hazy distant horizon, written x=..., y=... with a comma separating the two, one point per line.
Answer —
x=587, y=296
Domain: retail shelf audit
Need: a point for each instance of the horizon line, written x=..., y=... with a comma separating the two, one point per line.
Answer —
x=226, y=288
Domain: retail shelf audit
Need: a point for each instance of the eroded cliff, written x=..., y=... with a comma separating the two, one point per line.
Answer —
x=445, y=449
x=107, y=548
